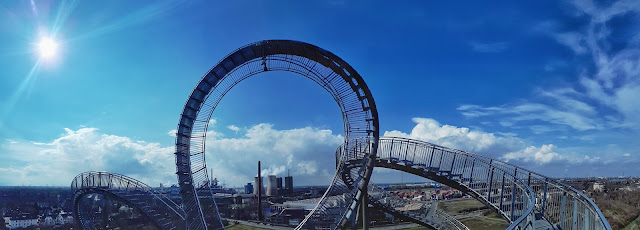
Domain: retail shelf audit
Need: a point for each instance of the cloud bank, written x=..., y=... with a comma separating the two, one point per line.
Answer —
x=307, y=152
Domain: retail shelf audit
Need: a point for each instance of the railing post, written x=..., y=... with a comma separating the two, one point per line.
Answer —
x=586, y=218
x=513, y=197
x=562, y=204
x=575, y=214
x=441, y=156
x=391, y=149
x=490, y=163
x=473, y=164
x=490, y=185
x=464, y=166
x=452, y=161
x=414, y=153
x=502, y=192
x=433, y=149
x=406, y=151
x=544, y=197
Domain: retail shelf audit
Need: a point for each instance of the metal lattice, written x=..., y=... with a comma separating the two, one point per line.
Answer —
x=345, y=85
x=162, y=211
x=527, y=199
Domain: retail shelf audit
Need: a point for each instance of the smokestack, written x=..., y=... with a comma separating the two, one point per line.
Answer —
x=259, y=193
x=288, y=184
x=279, y=183
x=256, y=182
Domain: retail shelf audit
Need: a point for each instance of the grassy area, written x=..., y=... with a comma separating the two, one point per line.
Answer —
x=485, y=222
x=416, y=228
x=634, y=225
x=621, y=208
x=241, y=227
x=461, y=206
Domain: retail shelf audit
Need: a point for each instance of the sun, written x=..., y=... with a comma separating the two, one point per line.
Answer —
x=47, y=47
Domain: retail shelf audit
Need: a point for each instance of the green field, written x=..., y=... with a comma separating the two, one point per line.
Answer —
x=634, y=225
x=241, y=227
x=462, y=206
x=487, y=220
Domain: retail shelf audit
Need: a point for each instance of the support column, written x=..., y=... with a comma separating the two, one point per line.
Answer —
x=364, y=204
x=259, y=193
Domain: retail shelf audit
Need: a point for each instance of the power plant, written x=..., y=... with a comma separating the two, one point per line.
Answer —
x=257, y=184
x=272, y=187
x=288, y=184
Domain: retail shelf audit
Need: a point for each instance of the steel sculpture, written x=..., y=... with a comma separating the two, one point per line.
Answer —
x=345, y=85
x=162, y=211
x=527, y=199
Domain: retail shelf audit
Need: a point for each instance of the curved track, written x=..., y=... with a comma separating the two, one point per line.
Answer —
x=527, y=199
x=422, y=213
x=164, y=213
x=345, y=85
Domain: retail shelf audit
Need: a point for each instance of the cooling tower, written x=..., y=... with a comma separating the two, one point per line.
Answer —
x=272, y=185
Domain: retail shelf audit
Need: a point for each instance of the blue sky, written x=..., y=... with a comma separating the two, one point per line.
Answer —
x=552, y=86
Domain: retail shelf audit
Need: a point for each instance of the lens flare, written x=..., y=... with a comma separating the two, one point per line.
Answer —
x=48, y=47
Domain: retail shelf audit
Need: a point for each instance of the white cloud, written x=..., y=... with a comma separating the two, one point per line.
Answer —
x=85, y=149
x=627, y=154
x=572, y=117
x=462, y=138
x=591, y=159
x=573, y=40
x=307, y=152
x=172, y=132
x=542, y=155
x=233, y=128
x=498, y=145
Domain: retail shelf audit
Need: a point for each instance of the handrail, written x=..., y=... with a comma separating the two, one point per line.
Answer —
x=139, y=185
x=561, y=205
x=412, y=155
x=114, y=182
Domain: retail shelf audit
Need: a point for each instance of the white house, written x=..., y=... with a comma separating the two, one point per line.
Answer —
x=68, y=218
x=597, y=186
x=22, y=221
x=59, y=219
x=47, y=221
